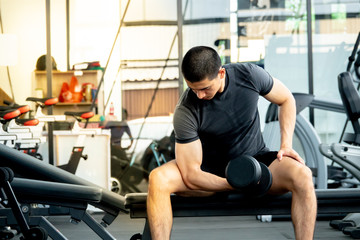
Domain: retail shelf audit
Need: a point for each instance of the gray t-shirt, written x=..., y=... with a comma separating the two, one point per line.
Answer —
x=227, y=125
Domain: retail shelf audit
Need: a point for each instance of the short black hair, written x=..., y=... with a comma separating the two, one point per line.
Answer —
x=199, y=63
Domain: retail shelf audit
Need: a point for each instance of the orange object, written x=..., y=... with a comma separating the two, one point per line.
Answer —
x=65, y=94
x=32, y=122
x=51, y=101
x=75, y=89
x=87, y=115
x=12, y=114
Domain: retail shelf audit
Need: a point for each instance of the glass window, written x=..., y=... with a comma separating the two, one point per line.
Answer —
x=335, y=29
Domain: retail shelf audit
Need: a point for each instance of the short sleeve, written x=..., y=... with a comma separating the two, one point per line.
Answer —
x=185, y=125
x=261, y=79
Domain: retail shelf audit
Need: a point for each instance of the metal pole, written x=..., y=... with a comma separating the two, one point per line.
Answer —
x=310, y=57
x=49, y=81
x=68, y=35
x=180, y=44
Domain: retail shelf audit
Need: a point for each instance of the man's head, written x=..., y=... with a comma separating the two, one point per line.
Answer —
x=199, y=63
x=202, y=71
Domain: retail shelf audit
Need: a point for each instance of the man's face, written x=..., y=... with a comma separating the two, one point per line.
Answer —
x=206, y=89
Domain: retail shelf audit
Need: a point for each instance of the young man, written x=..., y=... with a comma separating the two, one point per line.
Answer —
x=217, y=120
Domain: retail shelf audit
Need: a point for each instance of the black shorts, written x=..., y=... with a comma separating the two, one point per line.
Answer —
x=266, y=157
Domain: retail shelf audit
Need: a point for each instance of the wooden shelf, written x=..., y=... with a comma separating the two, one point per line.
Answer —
x=71, y=72
x=39, y=81
x=72, y=104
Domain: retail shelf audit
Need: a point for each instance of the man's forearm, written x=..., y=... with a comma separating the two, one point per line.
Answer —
x=201, y=180
x=287, y=119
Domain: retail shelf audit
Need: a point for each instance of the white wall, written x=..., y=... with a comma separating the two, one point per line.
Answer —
x=93, y=28
x=26, y=19
x=92, y=32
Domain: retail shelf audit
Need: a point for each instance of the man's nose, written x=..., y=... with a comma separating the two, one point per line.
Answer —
x=200, y=94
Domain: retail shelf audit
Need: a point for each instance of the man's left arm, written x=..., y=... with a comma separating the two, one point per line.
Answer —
x=282, y=96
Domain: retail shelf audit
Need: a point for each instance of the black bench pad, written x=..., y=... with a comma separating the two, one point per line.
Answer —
x=53, y=193
x=334, y=201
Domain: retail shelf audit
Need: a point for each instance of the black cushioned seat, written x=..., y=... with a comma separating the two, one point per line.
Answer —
x=330, y=201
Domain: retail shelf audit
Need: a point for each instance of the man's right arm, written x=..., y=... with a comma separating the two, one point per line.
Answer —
x=189, y=159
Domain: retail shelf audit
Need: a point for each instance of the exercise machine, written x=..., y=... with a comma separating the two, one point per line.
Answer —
x=347, y=154
x=306, y=140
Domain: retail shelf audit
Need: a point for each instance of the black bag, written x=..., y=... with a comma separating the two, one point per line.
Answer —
x=41, y=63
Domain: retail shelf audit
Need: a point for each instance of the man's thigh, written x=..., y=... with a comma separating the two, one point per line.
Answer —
x=283, y=173
x=172, y=178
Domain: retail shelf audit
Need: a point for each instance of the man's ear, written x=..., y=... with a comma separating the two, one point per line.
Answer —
x=222, y=72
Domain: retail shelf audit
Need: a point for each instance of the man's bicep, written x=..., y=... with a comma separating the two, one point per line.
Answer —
x=188, y=156
x=279, y=93
x=185, y=125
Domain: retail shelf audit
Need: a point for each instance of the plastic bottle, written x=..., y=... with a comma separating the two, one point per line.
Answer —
x=111, y=115
x=111, y=109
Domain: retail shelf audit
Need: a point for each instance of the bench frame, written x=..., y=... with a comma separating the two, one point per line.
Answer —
x=336, y=202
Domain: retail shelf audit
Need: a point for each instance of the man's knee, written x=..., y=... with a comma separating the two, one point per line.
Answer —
x=302, y=179
x=158, y=178
x=166, y=178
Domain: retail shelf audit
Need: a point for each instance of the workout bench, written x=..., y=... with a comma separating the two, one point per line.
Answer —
x=54, y=186
x=330, y=201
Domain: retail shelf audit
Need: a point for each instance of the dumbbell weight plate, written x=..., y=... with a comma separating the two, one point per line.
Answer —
x=243, y=171
x=263, y=186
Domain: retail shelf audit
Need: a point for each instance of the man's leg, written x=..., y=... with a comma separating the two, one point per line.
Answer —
x=290, y=175
x=163, y=181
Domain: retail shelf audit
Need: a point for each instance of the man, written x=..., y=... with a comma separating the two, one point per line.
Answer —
x=217, y=120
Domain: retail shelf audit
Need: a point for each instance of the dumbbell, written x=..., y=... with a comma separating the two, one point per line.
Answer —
x=249, y=176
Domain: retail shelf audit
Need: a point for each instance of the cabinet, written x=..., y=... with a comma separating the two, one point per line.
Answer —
x=39, y=86
x=96, y=168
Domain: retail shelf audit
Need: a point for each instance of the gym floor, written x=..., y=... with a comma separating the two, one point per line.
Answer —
x=207, y=228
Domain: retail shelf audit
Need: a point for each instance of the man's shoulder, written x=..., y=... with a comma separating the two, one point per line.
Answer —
x=187, y=99
x=242, y=67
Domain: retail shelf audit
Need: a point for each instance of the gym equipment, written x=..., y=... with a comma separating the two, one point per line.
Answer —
x=158, y=153
x=22, y=108
x=330, y=201
x=42, y=103
x=27, y=140
x=11, y=133
x=126, y=173
x=249, y=176
x=26, y=166
x=351, y=99
x=351, y=220
x=36, y=233
x=348, y=154
x=77, y=151
x=308, y=140
x=73, y=200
